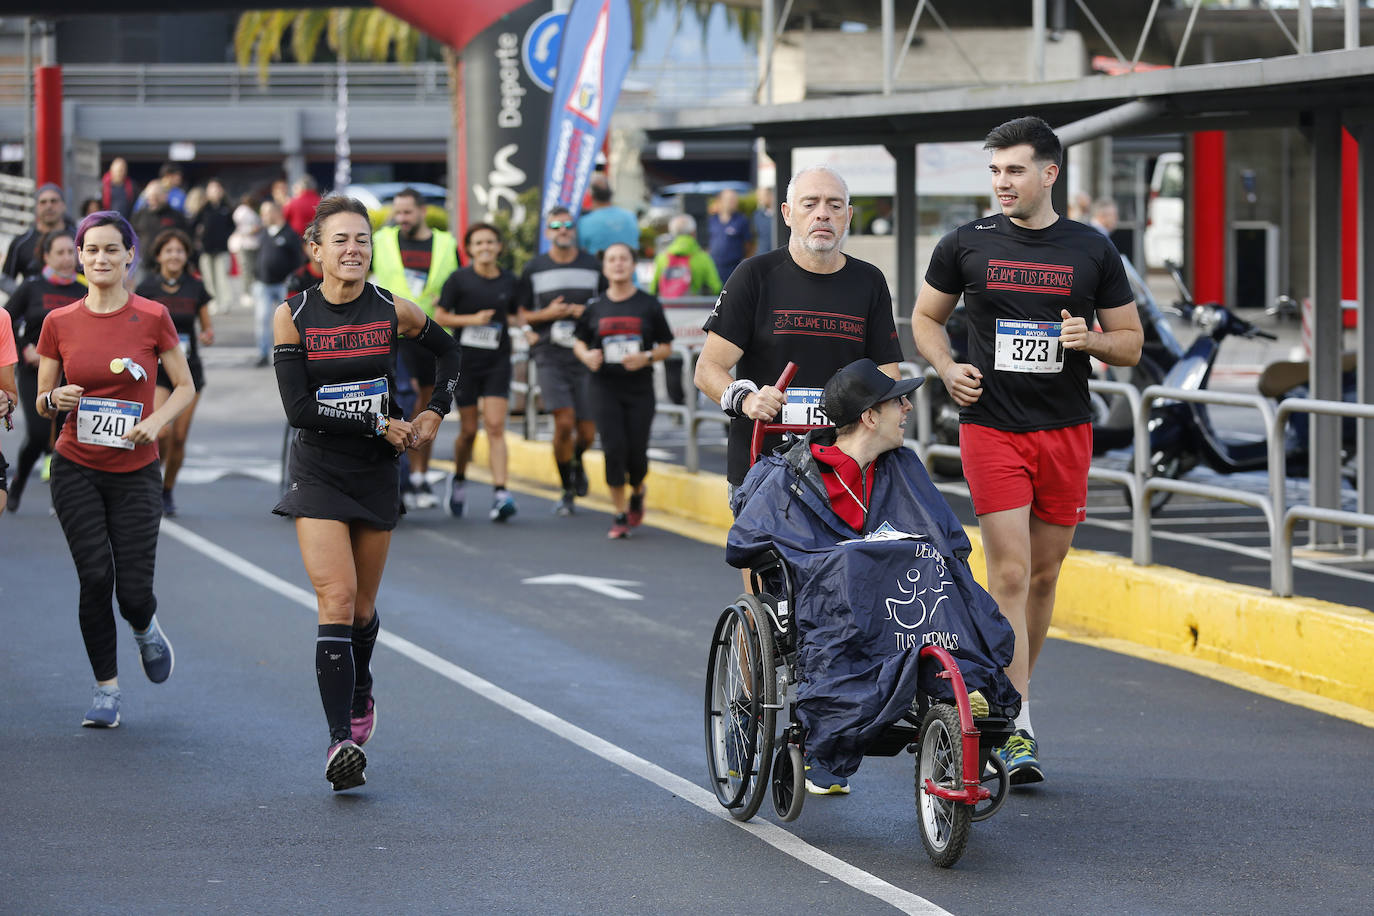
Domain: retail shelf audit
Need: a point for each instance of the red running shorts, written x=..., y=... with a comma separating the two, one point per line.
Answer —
x=1046, y=469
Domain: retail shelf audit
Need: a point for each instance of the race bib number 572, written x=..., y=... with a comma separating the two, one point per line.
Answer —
x=1028, y=346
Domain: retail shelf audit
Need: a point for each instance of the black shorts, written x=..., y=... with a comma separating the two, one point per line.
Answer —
x=197, y=374
x=325, y=483
x=489, y=379
x=419, y=363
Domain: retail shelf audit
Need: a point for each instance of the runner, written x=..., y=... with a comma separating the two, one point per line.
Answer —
x=55, y=286
x=104, y=476
x=8, y=396
x=1031, y=284
x=477, y=300
x=413, y=259
x=808, y=303
x=553, y=291
x=188, y=301
x=622, y=333
x=23, y=257
x=335, y=357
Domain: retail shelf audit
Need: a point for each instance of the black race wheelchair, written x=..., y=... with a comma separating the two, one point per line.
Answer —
x=750, y=680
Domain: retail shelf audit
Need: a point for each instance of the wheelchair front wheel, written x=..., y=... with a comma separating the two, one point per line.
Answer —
x=789, y=782
x=945, y=824
x=997, y=781
x=741, y=707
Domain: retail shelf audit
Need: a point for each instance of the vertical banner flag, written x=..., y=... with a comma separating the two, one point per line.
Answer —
x=592, y=62
x=508, y=73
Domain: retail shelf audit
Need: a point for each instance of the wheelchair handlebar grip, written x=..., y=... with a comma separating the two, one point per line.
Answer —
x=789, y=372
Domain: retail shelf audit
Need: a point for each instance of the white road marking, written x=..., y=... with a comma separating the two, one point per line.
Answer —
x=773, y=835
x=602, y=586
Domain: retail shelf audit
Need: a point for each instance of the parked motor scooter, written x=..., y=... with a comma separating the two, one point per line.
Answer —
x=1181, y=432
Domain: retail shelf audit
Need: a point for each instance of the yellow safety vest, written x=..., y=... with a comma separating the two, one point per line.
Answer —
x=389, y=273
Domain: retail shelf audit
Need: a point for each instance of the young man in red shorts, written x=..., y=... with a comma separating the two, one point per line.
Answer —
x=1033, y=284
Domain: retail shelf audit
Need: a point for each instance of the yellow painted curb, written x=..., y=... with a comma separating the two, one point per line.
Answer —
x=1308, y=645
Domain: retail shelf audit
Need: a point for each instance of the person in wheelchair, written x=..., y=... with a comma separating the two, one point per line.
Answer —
x=879, y=569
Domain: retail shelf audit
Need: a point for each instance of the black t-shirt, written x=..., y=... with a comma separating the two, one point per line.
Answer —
x=778, y=312
x=635, y=325
x=467, y=292
x=349, y=342
x=1023, y=278
x=32, y=302
x=184, y=302
x=544, y=280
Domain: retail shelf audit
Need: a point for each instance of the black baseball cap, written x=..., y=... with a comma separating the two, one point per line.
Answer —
x=859, y=386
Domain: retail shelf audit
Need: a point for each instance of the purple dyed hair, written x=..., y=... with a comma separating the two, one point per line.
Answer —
x=110, y=218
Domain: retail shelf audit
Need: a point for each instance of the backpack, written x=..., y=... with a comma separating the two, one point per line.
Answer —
x=676, y=280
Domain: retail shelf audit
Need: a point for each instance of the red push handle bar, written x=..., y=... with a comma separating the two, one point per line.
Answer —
x=762, y=428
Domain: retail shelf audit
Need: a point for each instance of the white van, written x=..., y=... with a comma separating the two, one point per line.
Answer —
x=1164, y=213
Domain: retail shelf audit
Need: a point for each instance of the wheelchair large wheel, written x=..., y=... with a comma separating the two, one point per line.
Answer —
x=945, y=824
x=741, y=707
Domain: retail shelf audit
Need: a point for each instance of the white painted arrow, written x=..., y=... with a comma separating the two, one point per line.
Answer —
x=607, y=587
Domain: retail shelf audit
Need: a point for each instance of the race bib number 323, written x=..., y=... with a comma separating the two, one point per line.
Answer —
x=106, y=421
x=1028, y=346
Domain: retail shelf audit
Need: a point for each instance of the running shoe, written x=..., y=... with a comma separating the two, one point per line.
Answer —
x=424, y=496
x=620, y=528
x=579, y=478
x=457, y=496
x=820, y=781
x=408, y=493
x=636, y=513
x=502, y=507
x=155, y=652
x=362, y=721
x=169, y=506
x=104, y=711
x=565, y=505
x=345, y=764
x=1019, y=754
x=47, y=468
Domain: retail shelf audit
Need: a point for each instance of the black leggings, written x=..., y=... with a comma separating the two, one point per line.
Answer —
x=111, y=523
x=37, y=428
x=624, y=413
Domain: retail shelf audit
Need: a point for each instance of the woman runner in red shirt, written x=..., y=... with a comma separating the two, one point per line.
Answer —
x=105, y=481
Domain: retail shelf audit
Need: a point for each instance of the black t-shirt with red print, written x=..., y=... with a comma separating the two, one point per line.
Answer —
x=1015, y=282
x=777, y=311
x=634, y=325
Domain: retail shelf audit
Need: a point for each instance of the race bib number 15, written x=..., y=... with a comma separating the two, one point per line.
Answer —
x=1028, y=346
x=803, y=408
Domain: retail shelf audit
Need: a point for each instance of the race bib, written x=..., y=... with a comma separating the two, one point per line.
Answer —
x=1028, y=346
x=185, y=341
x=106, y=421
x=618, y=346
x=562, y=333
x=803, y=408
x=481, y=336
x=355, y=397
x=415, y=280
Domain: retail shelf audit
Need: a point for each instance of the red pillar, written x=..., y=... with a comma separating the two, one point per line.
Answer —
x=1207, y=204
x=1350, y=223
x=47, y=112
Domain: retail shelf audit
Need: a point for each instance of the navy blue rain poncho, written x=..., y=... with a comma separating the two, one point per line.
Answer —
x=868, y=601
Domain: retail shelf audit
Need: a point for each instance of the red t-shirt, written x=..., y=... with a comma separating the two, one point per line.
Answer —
x=8, y=355
x=86, y=343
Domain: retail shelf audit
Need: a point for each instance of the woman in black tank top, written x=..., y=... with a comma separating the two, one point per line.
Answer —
x=335, y=357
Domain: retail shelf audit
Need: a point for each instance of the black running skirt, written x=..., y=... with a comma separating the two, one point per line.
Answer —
x=324, y=483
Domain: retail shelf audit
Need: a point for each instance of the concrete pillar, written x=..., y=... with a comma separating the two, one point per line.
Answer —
x=292, y=144
x=1325, y=283
x=904, y=235
x=1364, y=133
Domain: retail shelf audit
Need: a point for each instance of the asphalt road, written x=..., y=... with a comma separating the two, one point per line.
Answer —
x=539, y=746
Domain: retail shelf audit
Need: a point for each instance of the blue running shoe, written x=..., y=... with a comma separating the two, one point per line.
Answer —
x=820, y=781
x=502, y=506
x=155, y=652
x=104, y=711
x=457, y=495
x=345, y=764
x=1019, y=755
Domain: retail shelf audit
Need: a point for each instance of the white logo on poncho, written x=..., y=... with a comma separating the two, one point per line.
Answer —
x=926, y=592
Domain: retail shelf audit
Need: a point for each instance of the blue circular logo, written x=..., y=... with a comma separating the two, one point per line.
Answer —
x=540, y=51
